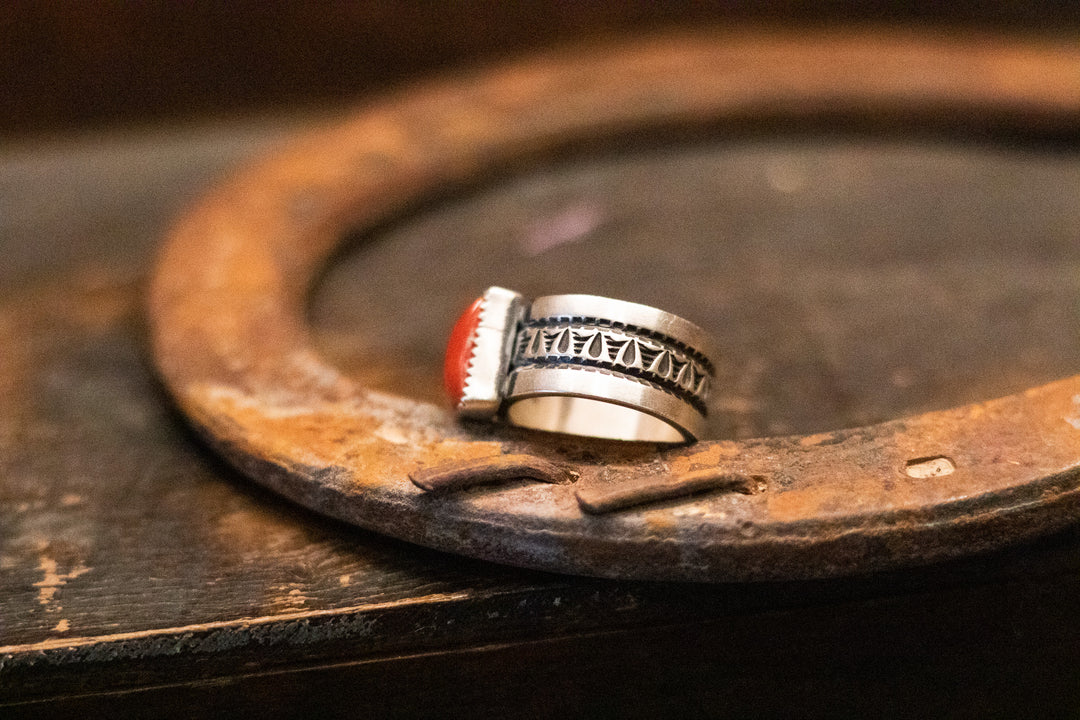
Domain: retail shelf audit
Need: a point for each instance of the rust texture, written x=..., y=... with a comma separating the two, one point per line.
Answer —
x=601, y=500
x=484, y=471
x=230, y=338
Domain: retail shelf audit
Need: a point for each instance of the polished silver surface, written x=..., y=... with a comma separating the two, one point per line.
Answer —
x=501, y=311
x=580, y=401
x=589, y=365
x=622, y=313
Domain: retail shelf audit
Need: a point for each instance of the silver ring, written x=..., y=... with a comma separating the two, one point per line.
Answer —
x=580, y=365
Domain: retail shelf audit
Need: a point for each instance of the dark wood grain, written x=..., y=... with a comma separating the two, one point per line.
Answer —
x=851, y=279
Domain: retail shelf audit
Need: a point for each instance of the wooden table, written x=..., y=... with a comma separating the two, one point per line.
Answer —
x=851, y=278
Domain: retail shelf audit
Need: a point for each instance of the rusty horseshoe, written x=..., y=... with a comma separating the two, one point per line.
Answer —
x=229, y=334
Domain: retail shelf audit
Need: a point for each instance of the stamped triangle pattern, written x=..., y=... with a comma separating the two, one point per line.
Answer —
x=647, y=358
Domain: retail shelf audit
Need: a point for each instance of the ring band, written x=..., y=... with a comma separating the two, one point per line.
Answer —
x=580, y=365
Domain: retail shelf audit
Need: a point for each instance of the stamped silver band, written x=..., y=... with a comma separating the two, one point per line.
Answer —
x=588, y=365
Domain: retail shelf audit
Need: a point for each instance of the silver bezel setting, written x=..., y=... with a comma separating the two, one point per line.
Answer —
x=501, y=311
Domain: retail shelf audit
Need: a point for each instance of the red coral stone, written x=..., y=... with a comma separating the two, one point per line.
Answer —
x=459, y=350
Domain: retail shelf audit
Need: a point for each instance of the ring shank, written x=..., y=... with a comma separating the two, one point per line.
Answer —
x=578, y=401
x=592, y=418
x=626, y=313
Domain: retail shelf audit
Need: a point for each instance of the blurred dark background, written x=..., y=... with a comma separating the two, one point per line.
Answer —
x=103, y=63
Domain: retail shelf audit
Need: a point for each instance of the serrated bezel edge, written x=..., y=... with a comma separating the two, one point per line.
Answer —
x=501, y=312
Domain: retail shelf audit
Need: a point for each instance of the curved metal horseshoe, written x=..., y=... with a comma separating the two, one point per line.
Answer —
x=227, y=301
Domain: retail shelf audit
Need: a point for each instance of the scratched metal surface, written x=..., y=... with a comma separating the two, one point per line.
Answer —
x=124, y=544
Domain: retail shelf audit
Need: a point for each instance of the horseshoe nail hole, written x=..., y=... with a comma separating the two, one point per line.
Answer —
x=757, y=485
x=930, y=467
